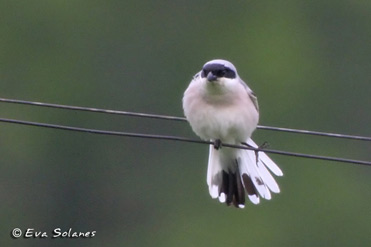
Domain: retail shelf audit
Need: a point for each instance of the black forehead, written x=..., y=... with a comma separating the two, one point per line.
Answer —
x=214, y=67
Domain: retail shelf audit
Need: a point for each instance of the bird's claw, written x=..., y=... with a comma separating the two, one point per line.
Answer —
x=256, y=150
x=264, y=145
x=217, y=144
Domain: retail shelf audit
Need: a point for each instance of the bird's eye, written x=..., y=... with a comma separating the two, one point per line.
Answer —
x=228, y=73
x=220, y=73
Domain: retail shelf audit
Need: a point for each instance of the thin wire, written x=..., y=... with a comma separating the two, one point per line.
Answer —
x=317, y=133
x=89, y=109
x=173, y=118
x=182, y=139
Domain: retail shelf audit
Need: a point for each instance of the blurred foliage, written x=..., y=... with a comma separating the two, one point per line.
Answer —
x=308, y=61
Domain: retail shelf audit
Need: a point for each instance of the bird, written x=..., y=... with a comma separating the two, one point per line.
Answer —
x=221, y=108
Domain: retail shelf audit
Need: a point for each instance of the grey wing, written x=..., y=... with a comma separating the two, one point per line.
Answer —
x=254, y=99
x=251, y=94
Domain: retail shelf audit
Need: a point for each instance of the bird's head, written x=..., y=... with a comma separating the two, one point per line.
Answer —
x=218, y=70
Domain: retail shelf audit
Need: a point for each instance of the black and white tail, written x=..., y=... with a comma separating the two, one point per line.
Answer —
x=232, y=174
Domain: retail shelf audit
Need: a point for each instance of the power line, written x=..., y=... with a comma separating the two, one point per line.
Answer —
x=89, y=109
x=182, y=139
x=317, y=133
x=173, y=118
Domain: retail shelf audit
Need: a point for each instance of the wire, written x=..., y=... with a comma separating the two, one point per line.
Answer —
x=317, y=133
x=173, y=118
x=182, y=139
x=89, y=109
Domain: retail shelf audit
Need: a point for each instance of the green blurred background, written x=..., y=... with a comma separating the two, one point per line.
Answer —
x=308, y=62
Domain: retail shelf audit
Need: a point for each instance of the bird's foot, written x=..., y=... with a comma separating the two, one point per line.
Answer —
x=217, y=144
x=264, y=145
x=256, y=150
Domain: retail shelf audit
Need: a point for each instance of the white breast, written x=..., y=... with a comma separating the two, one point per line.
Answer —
x=230, y=117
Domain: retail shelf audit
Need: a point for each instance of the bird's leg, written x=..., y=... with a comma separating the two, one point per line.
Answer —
x=264, y=145
x=217, y=144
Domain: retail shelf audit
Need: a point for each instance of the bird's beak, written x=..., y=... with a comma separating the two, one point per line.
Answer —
x=211, y=77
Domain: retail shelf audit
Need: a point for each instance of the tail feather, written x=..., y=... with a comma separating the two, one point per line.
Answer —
x=214, y=177
x=249, y=161
x=240, y=191
x=229, y=178
x=250, y=189
x=231, y=189
x=268, y=178
x=266, y=160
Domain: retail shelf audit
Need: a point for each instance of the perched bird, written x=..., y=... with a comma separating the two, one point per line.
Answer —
x=221, y=108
